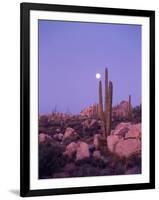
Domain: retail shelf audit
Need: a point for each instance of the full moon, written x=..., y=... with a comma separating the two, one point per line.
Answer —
x=98, y=76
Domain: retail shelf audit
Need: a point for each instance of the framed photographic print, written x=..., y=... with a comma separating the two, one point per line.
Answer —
x=87, y=99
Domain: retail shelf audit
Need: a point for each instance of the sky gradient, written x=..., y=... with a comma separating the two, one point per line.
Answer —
x=70, y=55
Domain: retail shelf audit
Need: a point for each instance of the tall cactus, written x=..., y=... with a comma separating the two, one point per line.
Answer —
x=100, y=100
x=109, y=109
x=106, y=101
x=106, y=114
x=100, y=108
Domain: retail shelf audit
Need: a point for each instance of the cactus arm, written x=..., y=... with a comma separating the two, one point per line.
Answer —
x=101, y=107
x=106, y=98
x=109, y=111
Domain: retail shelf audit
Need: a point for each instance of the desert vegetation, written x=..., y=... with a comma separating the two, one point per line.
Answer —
x=100, y=140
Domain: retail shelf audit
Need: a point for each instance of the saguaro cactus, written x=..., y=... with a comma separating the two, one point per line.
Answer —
x=100, y=100
x=106, y=114
x=106, y=99
x=100, y=109
x=109, y=108
x=95, y=110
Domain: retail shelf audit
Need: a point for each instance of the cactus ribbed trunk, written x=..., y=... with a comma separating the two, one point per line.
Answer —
x=106, y=114
x=95, y=110
x=106, y=99
x=109, y=110
x=100, y=99
x=101, y=107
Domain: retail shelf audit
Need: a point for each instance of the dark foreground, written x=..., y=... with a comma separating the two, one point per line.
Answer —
x=73, y=146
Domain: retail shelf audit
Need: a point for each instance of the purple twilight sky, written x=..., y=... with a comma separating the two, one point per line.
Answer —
x=70, y=55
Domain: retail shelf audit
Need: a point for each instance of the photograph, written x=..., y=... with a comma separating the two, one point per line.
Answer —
x=89, y=99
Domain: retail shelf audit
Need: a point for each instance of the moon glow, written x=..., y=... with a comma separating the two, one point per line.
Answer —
x=98, y=75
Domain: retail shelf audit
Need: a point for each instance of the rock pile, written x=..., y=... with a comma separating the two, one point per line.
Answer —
x=79, y=149
x=125, y=140
x=74, y=146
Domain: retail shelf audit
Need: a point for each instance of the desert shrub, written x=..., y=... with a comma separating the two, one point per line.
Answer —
x=72, y=123
x=136, y=114
x=97, y=167
x=73, y=138
x=119, y=168
x=116, y=165
x=107, y=172
x=51, y=159
x=93, y=162
x=61, y=175
x=55, y=123
x=85, y=170
x=47, y=130
x=89, y=132
x=43, y=121
x=133, y=161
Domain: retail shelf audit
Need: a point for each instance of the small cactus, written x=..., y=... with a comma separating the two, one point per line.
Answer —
x=129, y=109
x=95, y=110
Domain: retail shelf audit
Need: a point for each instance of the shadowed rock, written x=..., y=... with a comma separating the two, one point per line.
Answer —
x=125, y=139
x=82, y=151
x=69, y=132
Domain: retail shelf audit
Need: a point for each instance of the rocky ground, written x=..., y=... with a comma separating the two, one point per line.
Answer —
x=73, y=146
